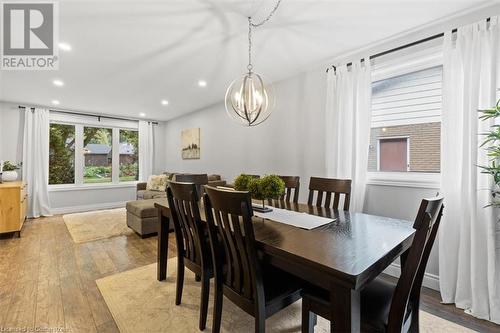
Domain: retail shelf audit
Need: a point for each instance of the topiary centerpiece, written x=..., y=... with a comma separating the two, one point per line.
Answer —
x=267, y=187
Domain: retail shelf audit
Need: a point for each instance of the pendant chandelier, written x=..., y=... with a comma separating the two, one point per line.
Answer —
x=249, y=101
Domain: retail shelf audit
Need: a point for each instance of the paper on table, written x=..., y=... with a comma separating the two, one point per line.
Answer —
x=297, y=219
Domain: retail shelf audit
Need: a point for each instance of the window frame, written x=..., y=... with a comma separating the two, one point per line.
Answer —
x=389, y=138
x=396, y=66
x=81, y=121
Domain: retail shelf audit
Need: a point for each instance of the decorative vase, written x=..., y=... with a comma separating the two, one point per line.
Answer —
x=262, y=208
x=9, y=176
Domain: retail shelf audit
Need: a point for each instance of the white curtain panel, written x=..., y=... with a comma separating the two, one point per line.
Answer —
x=146, y=151
x=469, y=247
x=36, y=161
x=348, y=117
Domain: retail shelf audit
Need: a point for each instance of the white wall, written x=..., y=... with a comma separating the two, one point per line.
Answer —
x=290, y=142
x=64, y=201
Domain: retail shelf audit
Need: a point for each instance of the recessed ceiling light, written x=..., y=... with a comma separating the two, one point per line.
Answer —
x=55, y=102
x=65, y=46
x=202, y=83
x=58, y=83
x=164, y=102
x=142, y=114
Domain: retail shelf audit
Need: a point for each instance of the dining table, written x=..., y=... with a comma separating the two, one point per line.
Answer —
x=342, y=256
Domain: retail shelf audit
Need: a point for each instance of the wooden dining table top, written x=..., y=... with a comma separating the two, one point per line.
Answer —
x=350, y=251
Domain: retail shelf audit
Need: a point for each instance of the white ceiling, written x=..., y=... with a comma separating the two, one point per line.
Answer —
x=129, y=55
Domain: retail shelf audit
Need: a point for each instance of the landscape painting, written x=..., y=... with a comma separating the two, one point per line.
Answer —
x=190, y=141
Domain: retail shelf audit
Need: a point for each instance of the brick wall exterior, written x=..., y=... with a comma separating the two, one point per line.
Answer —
x=425, y=143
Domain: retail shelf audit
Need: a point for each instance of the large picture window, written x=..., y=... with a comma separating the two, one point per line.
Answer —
x=86, y=151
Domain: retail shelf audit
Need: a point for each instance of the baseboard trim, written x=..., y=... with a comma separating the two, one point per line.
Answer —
x=86, y=208
x=430, y=280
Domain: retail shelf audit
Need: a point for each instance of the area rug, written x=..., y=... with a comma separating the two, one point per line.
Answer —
x=140, y=303
x=101, y=224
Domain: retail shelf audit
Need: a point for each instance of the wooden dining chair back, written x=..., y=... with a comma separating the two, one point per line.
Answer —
x=200, y=180
x=326, y=188
x=292, y=188
x=229, y=217
x=406, y=299
x=193, y=250
x=238, y=271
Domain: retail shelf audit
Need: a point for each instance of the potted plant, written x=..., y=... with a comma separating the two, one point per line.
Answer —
x=9, y=173
x=267, y=187
x=493, y=142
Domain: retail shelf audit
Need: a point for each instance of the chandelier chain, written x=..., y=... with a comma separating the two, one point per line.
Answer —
x=255, y=25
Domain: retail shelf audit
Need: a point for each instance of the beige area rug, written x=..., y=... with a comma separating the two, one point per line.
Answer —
x=140, y=303
x=100, y=224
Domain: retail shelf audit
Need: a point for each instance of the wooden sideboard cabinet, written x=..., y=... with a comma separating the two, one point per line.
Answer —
x=13, y=206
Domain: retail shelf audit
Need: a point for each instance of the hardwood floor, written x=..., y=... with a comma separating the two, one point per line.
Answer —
x=48, y=281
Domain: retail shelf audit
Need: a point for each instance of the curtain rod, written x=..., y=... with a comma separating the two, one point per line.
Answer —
x=402, y=47
x=91, y=115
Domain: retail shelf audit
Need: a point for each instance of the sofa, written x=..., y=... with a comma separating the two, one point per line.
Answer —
x=143, y=193
x=142, y=216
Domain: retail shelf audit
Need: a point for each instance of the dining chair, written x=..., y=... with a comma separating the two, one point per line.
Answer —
x=292, y=188
x=388, y=307
x=193, y=249
x=198, y=179
x=330, y=186
x=258, y=289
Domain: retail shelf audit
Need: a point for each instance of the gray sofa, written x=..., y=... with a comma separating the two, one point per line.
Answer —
x=144, y=194
x=142, y=216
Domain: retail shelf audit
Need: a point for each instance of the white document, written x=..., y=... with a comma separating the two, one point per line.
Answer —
x=297, y=219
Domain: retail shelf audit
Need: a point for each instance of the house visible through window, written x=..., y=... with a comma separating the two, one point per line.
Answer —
x=406, y=122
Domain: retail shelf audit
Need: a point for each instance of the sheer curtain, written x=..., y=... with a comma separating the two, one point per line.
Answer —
x=36, y=161
x=348, y=116
x=469, y=247
x=146, y=153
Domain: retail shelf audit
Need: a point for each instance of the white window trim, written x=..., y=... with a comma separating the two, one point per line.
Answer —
x=405, y=179
x=97, y=186
x=79, y=122
x=394, y=137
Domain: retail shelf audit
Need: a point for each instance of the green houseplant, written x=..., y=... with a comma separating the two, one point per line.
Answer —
x=9, y=172
x=267, y=187
x=492, y=141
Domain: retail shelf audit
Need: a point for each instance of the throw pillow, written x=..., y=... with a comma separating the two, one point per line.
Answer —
x=157, y=183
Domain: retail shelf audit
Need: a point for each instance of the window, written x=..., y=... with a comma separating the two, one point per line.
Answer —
x=90, y=151
x=406, y=122
x=393, y=154
x=129, y=155
x=98, y=150
x=62, y=154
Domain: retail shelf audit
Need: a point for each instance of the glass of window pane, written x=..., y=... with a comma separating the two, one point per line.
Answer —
x=98, y=144
x=62, y=154
x=129, y=155
x=406, y=122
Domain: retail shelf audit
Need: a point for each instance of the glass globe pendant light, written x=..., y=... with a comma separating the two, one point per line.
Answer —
x=250, y=101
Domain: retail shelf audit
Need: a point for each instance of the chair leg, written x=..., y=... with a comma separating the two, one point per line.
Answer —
x=180, y=280
x=205, y=290
x=217, y=315
x=309, y=318
x=260, y=320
